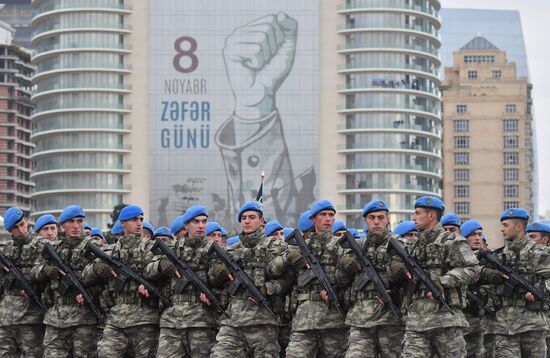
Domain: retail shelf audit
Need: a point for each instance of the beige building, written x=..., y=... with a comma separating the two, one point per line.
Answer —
x=488, y=159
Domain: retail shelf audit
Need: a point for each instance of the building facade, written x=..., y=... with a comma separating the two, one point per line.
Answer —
x=487, y=126
x=15, y=123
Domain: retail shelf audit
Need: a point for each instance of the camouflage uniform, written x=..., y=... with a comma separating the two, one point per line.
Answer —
x=374, y=329
x=519, y=324
x=188, y=327
x=279, y=291
x=318, y=328
x=429, y=328
x=21, y=327
x=251, y=331
x=132, y=321
x=71, y=328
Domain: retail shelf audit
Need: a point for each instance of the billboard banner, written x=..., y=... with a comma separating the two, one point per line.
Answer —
x=234, y=92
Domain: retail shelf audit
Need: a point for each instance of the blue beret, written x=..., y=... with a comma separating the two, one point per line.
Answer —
x=12, y=216
x=176, y=225
x=319, y=206
x=250, y=206
x=484, y=238
x=163, y=231
x=469, y=227
x=354, y=232
x=538, y=227
x=85, y=225
x=271, y=227
x=405, y=227
x=287, y=231
x=130, y=212
x=232, y=240
x=304, y=223
x=375, y=205
x=362, y=236
x=71, y=212
x=450, y=219
x=117, y=228
x=212, y=226
x=515, y=213
x=193, y=212
x=147, y=225
x=430, y=202
x=365, y=228
x=337, y=226
x=43, y=221
x=223, y=231
x=96, y=232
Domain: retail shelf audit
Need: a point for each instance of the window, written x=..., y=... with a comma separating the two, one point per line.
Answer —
x=511, y=191
x=462, y=208
x=462, y=191
x=461, y=108
x=462, y=142
x=479, y=59
x=497, y=74
x=511, y=174
x=462, y=175
x=461, y=125
x=510, y=108
x=472, y=75
x=511, y=125
x=511, y=204
x=462, y=158
x=511, y=141
x=511, y=158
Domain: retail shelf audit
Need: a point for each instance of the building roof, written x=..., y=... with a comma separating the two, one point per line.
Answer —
x=479, y=43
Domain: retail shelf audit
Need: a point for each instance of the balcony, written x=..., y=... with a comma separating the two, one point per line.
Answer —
x=384, y=4
x=42, y=109
x=76, y=5
x=343, y=148
x=48, y=27
x=397, y=27
x=389, y=187
x=359, y=66
x=382, y=107
x=381, y=47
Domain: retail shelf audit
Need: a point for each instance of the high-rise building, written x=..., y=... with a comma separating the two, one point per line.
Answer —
x=18, y=14
x=15, y=123
x=390, y=116
x=487, y=126
x=80, y=125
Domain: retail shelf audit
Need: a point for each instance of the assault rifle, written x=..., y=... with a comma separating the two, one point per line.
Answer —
x=123, y=272
x=514, y=279
x=240, y=278
x=418, y=275
x=315, y=270
x=187, y=274
x=69, y=278
x=15, y=274
x=369, y=274
x=472, y=297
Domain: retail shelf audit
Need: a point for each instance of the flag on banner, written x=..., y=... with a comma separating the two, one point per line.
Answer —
x=260, y=195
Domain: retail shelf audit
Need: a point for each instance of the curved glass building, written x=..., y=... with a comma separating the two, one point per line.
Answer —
x=79, y=125
x=392, y=123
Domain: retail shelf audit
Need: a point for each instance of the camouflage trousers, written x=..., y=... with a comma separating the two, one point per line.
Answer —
x=21, y=340
x=489, y=344
x=446, y=342
x=258, y=341
x=284, y=338
x=188, y=342
x=382, y=341
x=77, y=342
x=318, y=343
x=138, y=341
x=548, y=344
x=527, y=344
x=474, y=345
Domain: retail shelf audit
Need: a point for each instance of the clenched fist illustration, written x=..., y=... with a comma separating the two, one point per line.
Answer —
x=258, y=57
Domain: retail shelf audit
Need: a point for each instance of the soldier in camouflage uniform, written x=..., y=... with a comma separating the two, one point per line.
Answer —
x=188, y=327
x=46, y=227
x=21, y=328
x=406, y=230
x=131, y=325
x=71, y=326
x=375, y=331
x=317, y=327
x=520, y=321
x=251, y=331
x=452, y=266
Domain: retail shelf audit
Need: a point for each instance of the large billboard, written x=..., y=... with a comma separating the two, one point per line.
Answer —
x=234, y=93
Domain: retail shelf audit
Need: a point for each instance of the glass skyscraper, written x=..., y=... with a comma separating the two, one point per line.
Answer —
x=79, y=125
x=392, y=123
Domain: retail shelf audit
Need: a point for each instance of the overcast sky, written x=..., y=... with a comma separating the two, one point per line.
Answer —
x=534, y=17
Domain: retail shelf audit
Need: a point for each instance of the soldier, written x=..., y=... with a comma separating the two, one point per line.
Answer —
x=188, y=327
x=452, y=266
x=214, y=232
x=317, y=327
x=148, y=230
x=71, y=326
x=97, y=235
x=86, y=228
x=132, y=321
x=375, y=331
x=539, y=233
x=451, y=223
x=178, y=228
x=305, y=225
x=21, y=328
x=165, y=235
x=406, y=230
x=252, y=330
x=275, y=229
x=46, y=227
x=223, y=241
x=520, y=319
x=339, y=228
x=232, y=240
x=116, y=231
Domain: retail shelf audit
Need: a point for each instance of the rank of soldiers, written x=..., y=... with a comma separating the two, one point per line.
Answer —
x=430, y=288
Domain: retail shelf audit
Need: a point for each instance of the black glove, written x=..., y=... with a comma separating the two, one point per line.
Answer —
x=398, y=268
x=102, y=270
x=493, y=276
x=51, y=272
x=296, y=259
x=349, y=264
x=166, y=267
